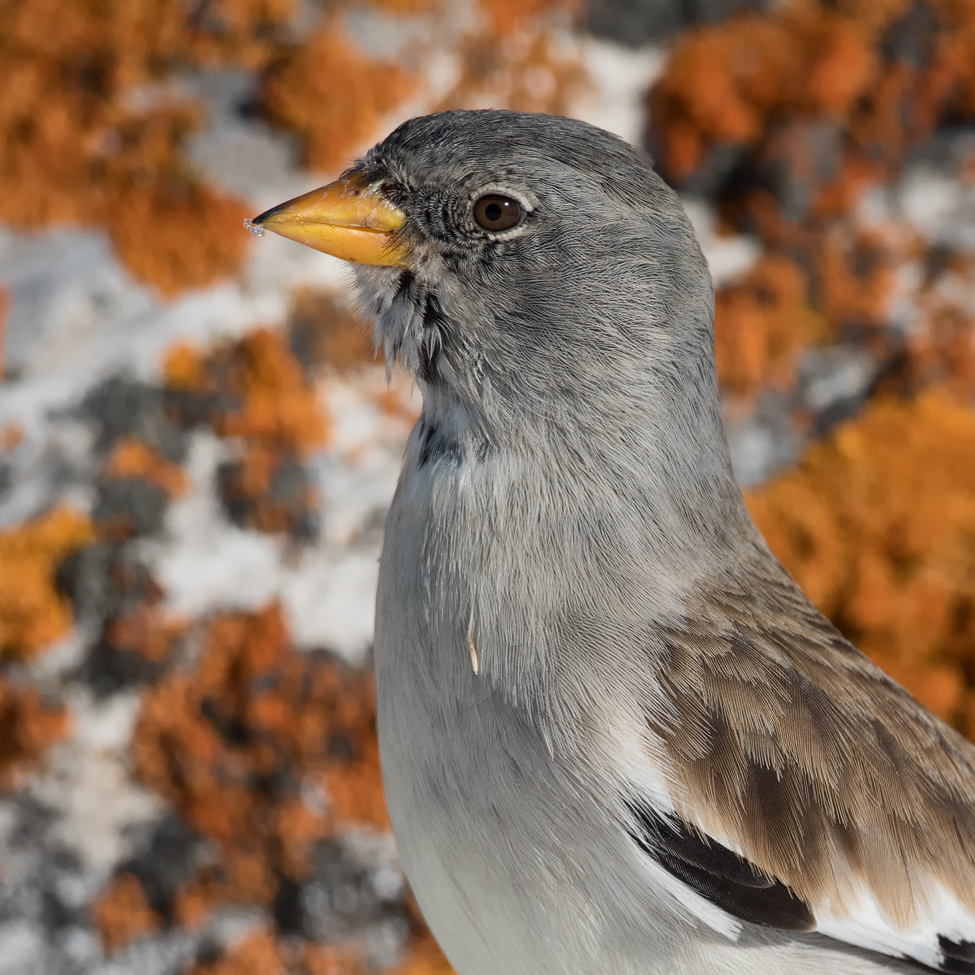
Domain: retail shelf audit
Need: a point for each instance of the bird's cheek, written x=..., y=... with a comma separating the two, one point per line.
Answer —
x=349, y=219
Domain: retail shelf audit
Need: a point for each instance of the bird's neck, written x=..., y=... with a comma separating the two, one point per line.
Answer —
x=586, y=529
x=654, y=480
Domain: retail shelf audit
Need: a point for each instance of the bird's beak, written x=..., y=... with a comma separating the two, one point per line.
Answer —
x=349, y=219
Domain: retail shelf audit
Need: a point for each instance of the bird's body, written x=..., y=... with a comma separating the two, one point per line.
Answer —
x=500, y=805
x=615, y=736
x=500, y=795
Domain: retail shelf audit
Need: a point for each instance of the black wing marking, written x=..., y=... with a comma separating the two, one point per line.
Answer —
x=716, y=873
x=958, y=956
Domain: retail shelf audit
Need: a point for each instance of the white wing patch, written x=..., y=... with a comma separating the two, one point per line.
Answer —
x=690, y=903
x=943, y=938
x=866, y=926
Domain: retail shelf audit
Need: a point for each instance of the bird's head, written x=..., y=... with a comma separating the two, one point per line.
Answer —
x=524, y=267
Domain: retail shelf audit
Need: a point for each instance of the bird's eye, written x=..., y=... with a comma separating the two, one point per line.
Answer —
x=496, y=212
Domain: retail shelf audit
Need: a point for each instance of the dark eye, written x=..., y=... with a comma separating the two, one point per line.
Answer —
x=495, y=212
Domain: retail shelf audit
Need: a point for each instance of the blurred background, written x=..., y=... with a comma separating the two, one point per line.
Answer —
x=197, y=446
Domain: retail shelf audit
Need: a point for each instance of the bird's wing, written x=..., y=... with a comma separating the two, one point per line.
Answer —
x=810, y=791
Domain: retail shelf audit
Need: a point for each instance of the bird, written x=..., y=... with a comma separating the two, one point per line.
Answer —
x=616, y=738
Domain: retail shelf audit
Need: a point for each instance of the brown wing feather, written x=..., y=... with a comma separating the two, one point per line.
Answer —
x=794, y=747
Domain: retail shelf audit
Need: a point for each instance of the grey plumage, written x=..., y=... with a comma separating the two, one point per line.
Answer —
x=616, y=738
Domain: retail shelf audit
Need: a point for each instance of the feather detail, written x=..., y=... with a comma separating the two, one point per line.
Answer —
x=794, y=751
x=716, y=873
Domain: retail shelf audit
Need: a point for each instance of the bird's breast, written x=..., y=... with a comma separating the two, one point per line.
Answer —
x=481, y=782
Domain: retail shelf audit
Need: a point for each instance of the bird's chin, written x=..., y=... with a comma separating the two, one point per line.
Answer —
x=406, y=318
x=376, y=290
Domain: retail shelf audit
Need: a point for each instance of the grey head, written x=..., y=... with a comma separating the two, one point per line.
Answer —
x=545, y=288
x=585, y=327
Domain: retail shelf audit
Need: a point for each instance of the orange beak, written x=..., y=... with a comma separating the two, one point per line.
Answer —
x=349, y=219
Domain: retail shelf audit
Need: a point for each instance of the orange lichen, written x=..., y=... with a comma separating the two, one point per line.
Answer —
x=241, y=32
x=761, y=326
x=122, y=913
x=177, y=234
x=258, y=392
x=133, y=458
x=314, y=959
x=942, y=351
x=146, y=630
x=11, y=436
x=28, y=726
x=512, y=58
x=730, y=83
x=250, y=489
x=263, y=393
x=256, y=710
x=354, y=792
x=400, y=7
x=91, y=134
x=93, y=124
x=856, y=279
x=299, y=93
x=836, y=198
x=33, y=613
x=726, y=84
x=964, y=38
x=184, y=368
x=279, y=404
x=391, y=401
x=326, y=334
x=812, y=103
x=423, y=957
x=526, y=70
x=878, y=525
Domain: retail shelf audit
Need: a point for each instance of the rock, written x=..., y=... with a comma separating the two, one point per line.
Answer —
x=125, y=407
x=130, y=506
x=356, y=891
x=636, y=22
